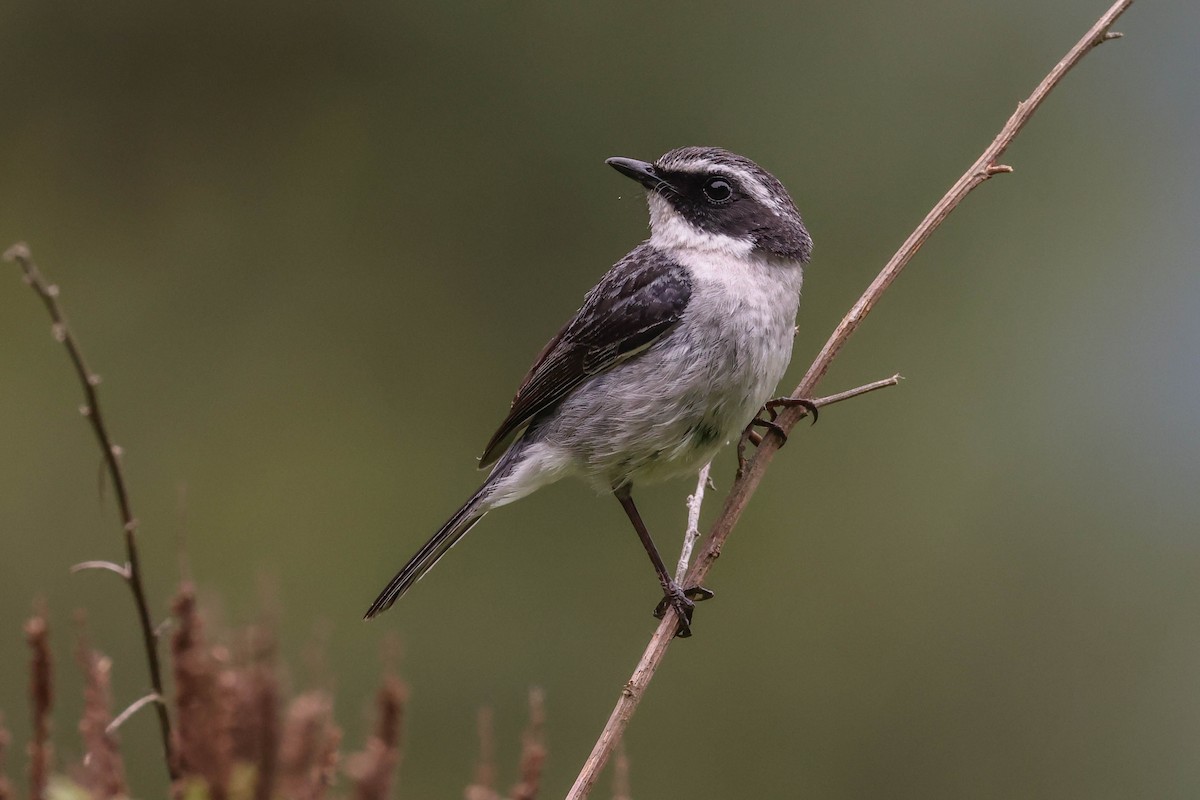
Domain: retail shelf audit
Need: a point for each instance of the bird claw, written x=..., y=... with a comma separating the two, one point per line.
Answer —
x=771, y=408
x=684, y=602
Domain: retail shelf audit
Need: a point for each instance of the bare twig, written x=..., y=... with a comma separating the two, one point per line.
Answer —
x=984, y=167
x=91, y=409
x=830, y=399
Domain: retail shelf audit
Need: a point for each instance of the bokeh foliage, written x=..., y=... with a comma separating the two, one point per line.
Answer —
x=311, y=248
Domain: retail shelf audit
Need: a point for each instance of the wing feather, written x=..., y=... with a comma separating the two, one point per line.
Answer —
x=639, y=300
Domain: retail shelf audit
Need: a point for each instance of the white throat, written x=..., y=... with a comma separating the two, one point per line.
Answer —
x=670, y=231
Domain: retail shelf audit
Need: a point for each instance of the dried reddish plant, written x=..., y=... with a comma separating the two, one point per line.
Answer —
x=227, y=707
x=483, y=787
x=6, y=789
x=533, y=755
x=229, y=739
x=102, y=773
x=373, y=769
x=203, y=740
x=533, y=749
x=256, y=698
x=308, y=752
x=621, y=774
x=41, y=697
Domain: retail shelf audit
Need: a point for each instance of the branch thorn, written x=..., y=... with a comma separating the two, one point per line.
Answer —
x=18, y=251
x=82, y=566
x=134, y=707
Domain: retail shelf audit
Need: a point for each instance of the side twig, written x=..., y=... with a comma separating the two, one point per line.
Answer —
x=132, y=573
x=743, y=489
x=130, y=710
x=692, y=534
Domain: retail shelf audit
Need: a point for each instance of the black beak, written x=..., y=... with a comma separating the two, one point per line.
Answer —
x=643, y=172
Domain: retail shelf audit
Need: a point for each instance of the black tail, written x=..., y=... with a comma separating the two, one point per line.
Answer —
x=455, y=528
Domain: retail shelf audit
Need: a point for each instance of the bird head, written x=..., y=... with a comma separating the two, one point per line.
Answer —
x=706, y=198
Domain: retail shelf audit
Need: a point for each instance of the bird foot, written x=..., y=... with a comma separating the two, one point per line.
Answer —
x=772, y=406
x=684, y=602
x=771, y=409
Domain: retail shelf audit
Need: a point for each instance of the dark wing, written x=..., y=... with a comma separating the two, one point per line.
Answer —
x=637, y=301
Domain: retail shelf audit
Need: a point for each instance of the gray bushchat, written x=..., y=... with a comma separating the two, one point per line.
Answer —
x=672, y=354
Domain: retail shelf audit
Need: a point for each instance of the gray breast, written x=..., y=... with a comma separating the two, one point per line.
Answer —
x=667, y=411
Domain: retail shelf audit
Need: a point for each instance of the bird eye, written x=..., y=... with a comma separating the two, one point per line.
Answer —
x=717, y=190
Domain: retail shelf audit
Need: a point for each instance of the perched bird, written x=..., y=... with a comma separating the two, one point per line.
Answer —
x=673, y=353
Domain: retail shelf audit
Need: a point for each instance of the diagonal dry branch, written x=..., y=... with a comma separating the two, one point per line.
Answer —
x=987, y=165
x=131, y=572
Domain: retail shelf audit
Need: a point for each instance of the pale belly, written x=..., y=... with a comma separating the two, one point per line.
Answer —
x=668, y=411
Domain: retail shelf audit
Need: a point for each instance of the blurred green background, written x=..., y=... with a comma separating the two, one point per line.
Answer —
x=312, y=248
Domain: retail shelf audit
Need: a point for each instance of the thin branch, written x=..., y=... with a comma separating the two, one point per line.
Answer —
x=984, y=167
x=91, y=409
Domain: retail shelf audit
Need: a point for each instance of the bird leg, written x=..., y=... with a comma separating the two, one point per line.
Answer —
x=674, y=596
x=771, y=409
